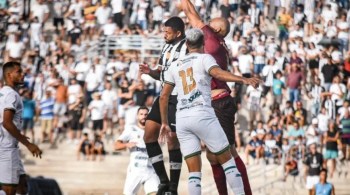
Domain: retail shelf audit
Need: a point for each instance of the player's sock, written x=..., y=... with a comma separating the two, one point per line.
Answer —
x=242, y=169
x=220, y=178
x=156, y=157
x=175, y=158
x=233, y=177
x=194, y=183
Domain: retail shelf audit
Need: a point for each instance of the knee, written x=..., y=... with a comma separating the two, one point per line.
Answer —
x=211, y=158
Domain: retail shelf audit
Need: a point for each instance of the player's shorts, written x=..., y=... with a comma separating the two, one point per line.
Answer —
x=154, y=114
x=136, y=178
x=311, y=181
x=225, y=109
x=97, y=124
x=11, y=167
x=202, y=126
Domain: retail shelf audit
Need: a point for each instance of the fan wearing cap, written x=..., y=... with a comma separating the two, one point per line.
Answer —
x=254, y=148
x=98, y=111
x=312, y=130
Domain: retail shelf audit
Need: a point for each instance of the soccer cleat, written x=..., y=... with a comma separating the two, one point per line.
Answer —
x=163, y=189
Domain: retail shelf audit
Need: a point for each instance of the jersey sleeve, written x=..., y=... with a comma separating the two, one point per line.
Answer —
x=168, y=75
x=10, y=102
x=125, y=136
x=209, y=62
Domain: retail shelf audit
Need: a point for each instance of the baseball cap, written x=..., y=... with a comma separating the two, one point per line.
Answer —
x=253, y=134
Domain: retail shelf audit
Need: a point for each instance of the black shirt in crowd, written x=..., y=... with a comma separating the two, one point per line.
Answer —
x=314, y=162
x=329, y=71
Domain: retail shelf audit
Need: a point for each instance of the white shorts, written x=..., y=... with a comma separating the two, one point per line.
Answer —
x=205, y=127
x=11, y=166
x=121, y=111
x=137, y=177
x=311, y=181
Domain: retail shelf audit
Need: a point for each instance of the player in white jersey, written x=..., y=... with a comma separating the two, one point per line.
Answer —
x=195, y=117
x=140, y=170
x=12, y=175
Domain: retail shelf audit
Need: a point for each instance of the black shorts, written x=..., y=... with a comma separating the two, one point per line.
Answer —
x=225, y=109
x=97, y=124
x=75, y=124
x=154, y=114
x=57, y=21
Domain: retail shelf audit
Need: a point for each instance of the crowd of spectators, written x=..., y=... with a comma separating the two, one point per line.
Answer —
x=300, y=49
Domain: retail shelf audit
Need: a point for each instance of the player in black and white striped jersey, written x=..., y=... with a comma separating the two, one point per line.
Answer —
x=175, y=48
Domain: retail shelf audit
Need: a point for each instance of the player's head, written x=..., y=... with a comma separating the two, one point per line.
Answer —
x=142, y=113
x=194, y=38
x=174, y=29
x=13, y=73
x=221, y=26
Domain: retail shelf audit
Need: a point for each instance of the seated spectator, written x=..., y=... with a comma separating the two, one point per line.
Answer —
x=254, y=148
x=84, y=147
x=276, y=134
x=294, y=132
x=271, y=149
x=291, y=167
x=312, y=132
x=97, y=148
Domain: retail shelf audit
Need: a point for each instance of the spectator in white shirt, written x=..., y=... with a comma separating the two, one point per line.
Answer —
x=15, y=49
x=343, y=33
x=97, y=110
x=245, y=62
x=103, y=13
x=40, y=10
x=118, y=12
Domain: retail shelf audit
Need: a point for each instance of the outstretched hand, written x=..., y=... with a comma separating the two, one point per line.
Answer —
x=165, y=133
x=34, y=149
x=254, y=82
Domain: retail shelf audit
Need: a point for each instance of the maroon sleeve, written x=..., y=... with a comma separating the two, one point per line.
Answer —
x=211, y=40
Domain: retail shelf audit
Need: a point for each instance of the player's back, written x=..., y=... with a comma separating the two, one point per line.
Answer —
x=192, y=82
x=9, y=99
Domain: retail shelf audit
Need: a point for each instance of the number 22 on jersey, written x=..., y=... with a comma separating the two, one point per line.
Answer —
x=187, y=88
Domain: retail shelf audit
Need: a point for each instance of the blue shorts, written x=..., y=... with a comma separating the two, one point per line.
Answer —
x=331, y=154
x=28, y=123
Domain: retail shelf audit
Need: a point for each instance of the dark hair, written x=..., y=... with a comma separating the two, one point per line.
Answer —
x=176, y=23
x=8, y=66
x=324, y=170
x=142, y=108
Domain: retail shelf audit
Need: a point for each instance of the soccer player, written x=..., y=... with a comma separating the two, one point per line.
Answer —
x=175, y=48
x=195, y=117
x=12, y=175
x=140, y=171
x=224, y=105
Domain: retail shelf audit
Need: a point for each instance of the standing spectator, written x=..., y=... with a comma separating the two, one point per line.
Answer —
x=118, y=12
x=277, y=88
x=329, y=71
x=345, y=137
x=312, y=132
x=35, y=33
x=254, y=97
x=294, y=82
x=93, y=81
x=323, y=187
x=337, y=91
x=28, y=113
x=74, y=91
x=97, y=110
x=125, y=94
x=46, y=109
x=300, y=114
x=110, y=98
x=103, y=13
x=40, y=10
x=15, y=49
x=158, y=14
x=316, y=96
x=77, y=114
x=142, y=14
x=331, y=141
x=59, y=9
x=313, y=164
x=283, y=20
x=343, y=33
x=245, y=61
x=60, y=107
x=268, y=73
x=81, y=69
x=259, y=57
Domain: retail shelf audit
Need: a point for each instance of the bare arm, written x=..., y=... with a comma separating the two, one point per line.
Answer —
x=222, y=75
x=145, y=69
x=12, y=129
x=163, y=102
x=191, y=13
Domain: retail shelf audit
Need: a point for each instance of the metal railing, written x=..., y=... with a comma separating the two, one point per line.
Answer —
x=148, y=46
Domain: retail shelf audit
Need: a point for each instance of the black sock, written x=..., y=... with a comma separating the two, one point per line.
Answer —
x=156, y=157
x=175, y=158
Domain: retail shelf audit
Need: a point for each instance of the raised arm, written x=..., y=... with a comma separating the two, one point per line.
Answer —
x=191, y=13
